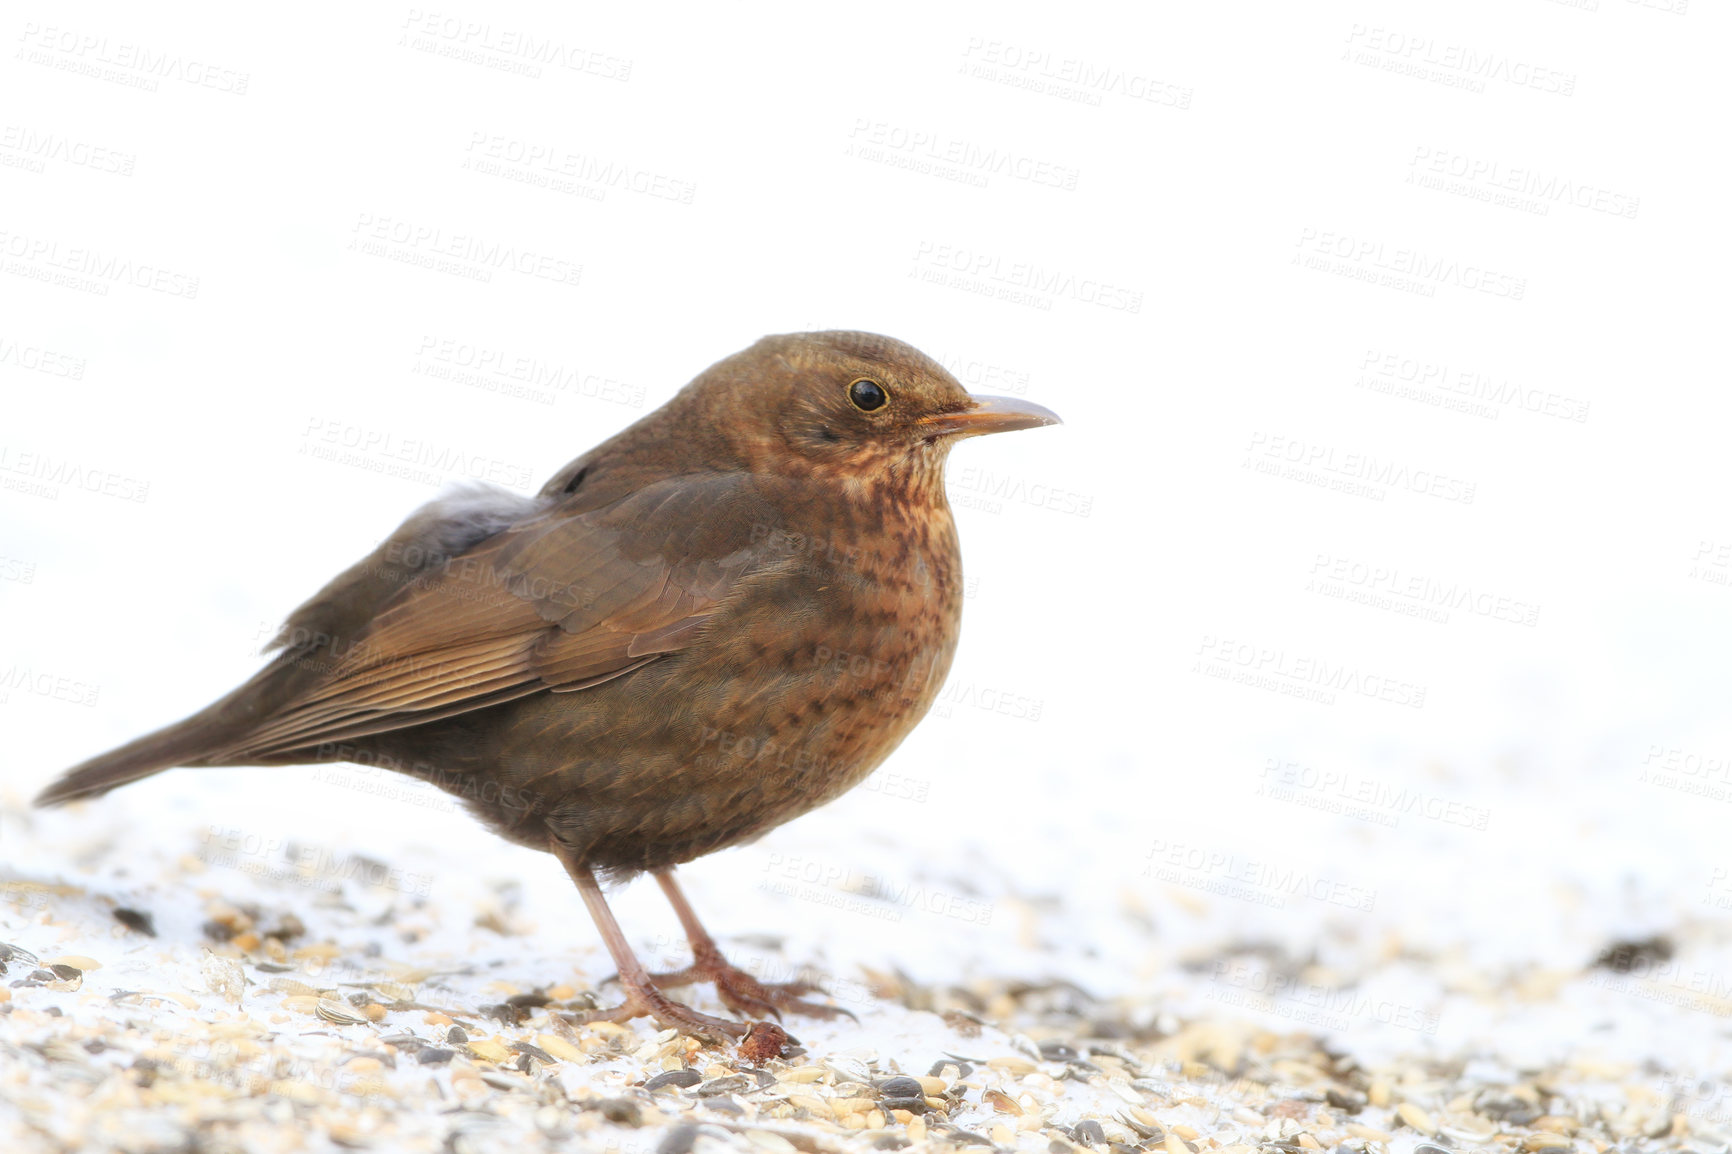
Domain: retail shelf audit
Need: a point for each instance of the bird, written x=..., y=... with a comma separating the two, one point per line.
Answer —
x=725, y=615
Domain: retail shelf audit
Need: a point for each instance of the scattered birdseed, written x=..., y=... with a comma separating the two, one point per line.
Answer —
x=355, y=1036
x=339, y=1012
x=136, y=920
x=903, y=1087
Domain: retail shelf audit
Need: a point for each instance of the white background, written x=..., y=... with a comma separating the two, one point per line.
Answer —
x=1204, y=209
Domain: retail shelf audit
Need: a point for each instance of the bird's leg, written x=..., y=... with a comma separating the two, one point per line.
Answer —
x=641, y=996
x=739, y=991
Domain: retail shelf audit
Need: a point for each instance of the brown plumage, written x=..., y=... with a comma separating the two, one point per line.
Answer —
x=722, y=617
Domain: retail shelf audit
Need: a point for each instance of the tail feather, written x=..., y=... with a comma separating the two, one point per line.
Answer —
x=205, y=738
x=183, y=743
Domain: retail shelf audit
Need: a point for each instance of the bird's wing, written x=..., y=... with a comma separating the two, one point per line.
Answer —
x=560, y=601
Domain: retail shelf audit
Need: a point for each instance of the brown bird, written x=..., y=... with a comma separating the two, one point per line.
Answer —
x=722, y=617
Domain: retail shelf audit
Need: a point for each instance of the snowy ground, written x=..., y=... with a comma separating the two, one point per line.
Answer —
x=291, y=984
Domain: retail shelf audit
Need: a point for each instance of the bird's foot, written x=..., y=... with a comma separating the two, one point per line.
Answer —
x=744, y=994
x=668, y=1014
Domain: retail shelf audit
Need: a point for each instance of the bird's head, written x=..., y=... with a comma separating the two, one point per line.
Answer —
x=850, y=404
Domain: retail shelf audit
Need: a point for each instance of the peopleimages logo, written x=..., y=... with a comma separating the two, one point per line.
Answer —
x=936, y=153
x=462, y=254
x=1020, y=282
x=44, y=259
x=1367, y=259
x=1472, y=391
x=1352, y=795
x=1066, y=77
x=1359, y=473
x=505, y=49
x=1260, y=882
x=135, y=65
x=1528, y=187
x=42, y=475
x=1459, y=64
x=1389, y=586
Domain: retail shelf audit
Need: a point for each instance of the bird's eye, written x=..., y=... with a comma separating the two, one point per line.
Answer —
x=867, y=395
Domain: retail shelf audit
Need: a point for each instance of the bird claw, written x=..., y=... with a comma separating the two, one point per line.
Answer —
x=667, y=1013
x=744, y=994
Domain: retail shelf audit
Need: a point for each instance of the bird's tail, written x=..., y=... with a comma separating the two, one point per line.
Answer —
x=209, y=737
x=183, y=743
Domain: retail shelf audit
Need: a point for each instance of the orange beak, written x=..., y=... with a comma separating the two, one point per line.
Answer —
x=991, y=415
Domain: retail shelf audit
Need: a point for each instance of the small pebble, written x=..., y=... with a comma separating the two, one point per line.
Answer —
x=679, y=1140
x=623, y=1111
x=136, y=920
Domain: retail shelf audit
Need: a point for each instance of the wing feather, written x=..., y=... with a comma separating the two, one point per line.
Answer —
x=559, y=601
